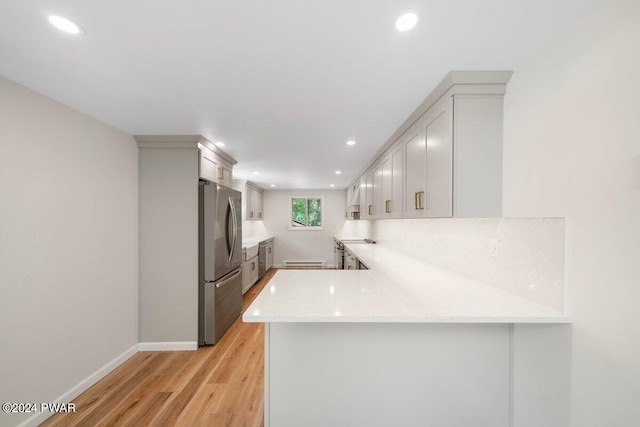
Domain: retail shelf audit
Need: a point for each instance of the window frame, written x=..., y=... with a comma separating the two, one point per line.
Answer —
x=306, y=227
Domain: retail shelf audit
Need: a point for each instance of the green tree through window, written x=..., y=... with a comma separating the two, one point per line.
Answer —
x=306, y=212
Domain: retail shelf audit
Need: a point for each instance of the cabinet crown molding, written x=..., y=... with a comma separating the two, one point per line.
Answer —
x=181, y=141
x=241, y=182
x=455, y=82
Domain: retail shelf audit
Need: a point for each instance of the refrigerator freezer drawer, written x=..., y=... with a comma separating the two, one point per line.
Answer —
x=222, y=306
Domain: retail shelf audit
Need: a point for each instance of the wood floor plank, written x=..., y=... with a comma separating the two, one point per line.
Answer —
x=148, y=390
x=122, y=392
x=145, y=415
x=105, y=389
x=220, y=385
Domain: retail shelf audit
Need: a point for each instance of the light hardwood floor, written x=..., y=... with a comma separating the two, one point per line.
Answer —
x=221, y=385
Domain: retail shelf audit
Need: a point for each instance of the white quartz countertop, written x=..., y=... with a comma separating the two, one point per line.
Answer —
x=396, y=288
x=250, y=241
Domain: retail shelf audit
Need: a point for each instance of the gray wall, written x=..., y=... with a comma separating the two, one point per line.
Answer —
x=68, y=247
x=302, y=245
x=169, y=246
x=572, y=148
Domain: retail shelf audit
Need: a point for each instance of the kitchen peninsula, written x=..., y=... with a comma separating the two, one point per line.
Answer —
x=405, y=342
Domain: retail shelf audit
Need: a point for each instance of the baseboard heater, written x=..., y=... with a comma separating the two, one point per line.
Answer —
x=305, y=263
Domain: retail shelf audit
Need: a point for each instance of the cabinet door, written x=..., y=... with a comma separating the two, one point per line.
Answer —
x=250, y=201
x=246, y=275
x=391, y=195
x=347, y=199
x=258, y=206
x=208, y=165
x=363, y=198
x=350, y=261
x=378, y=200
x=253, y=264
x=224, y=175
x=439, y=146
x=370, y=200
x=415, y=171
x=395, y=208
x=247, y=280
x=269, y=257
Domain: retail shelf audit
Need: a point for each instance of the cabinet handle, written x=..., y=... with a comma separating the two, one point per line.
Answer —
x=387, y=206
x=221, y=174
x=253, y=266
x=418, y=200
x=245, y=257
x=260, y=215
x=269, y=250
x=369, y=209
x=251, y=214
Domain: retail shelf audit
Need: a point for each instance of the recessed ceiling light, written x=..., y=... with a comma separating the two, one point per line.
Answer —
x=338, y=172
x=273, y=185
x=332, y=185
x=407, y=21
x=65, y=25
x=220, y=144
x=256, y=173
x=352, y=142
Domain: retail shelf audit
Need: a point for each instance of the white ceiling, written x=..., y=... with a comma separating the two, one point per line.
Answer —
x=284, y=83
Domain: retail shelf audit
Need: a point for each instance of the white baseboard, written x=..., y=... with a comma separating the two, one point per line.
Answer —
x=82, y=386
x=168, y=346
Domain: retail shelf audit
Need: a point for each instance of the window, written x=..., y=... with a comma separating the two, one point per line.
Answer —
x=306, y=213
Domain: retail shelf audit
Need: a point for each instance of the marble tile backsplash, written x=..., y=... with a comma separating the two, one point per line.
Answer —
x=531, y=256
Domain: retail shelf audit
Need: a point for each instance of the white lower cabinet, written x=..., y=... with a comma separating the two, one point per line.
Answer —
x=249, y=273
x=350, y=261
x=249, y=267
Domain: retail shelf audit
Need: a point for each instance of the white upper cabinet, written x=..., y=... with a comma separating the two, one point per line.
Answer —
x=251, y=200
x=415, y=167
x=477, y=154
x=392, y=184
x=446, y=159
x=212, y=164
x=428, y=164
x=438, y=143
x=369, y=211
x=378, y=202
x=213, y=167
x=224, y=174
x=257, y=205
x=364, y=208
x=208, y=167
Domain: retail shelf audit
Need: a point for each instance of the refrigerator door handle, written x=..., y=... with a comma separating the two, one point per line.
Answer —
x=230, y=279
x=229, y=223
x=235, y=228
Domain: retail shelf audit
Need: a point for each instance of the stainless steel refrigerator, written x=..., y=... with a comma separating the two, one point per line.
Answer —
x=220, y=260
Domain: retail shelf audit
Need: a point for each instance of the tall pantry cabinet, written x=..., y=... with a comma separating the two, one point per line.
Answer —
x=169, y=167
